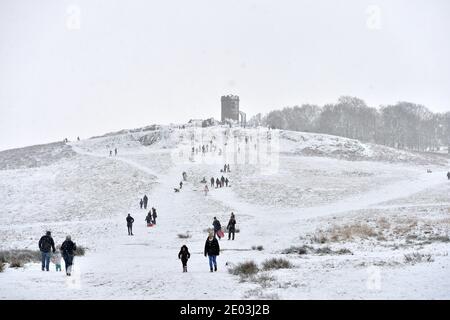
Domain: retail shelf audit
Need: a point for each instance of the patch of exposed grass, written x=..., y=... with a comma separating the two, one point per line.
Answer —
x=277, y=263
x=244, y=269
x=259, y=248
x=19, y=257
x=416, y=257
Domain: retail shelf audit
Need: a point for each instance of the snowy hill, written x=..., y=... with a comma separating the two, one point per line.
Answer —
x=329, y=194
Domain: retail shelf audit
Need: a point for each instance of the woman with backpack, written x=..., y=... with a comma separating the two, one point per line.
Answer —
x=68, y=249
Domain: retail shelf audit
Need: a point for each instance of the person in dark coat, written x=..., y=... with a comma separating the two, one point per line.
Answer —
x=181, y=185
x=226, y=182
x=231, y=227
x=448, y=175
x=217, y=226
x=224, y=168
x=148, y=218
x=46, y=246
x=212, y=182
x=184, y=255
x=154, y=215
x=141, y=203
x=212, y=250
x=228, y=168
x=217, y=183
x=67, y=248
x=145, y=201
x=130, y=221
x=222, y=181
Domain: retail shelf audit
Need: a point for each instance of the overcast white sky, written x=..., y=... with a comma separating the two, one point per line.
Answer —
x=133, y=63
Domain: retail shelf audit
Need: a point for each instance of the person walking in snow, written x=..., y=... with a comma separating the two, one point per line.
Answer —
x=68, y=247
x=110, y=153
x=226, y=182
x=212, y=250
x=228, y=168
x=141, y=203
x=78, y=138
x=181, y=185
x=212, y=182
x=46, y=245
x=224, y=168
x=231, y=227
x=217, y=183
x=115, y=151
x=154, y=215
x=222, y=181
x=130, y=221
x=148, y=218
x=145, y=201
x=56, y=259
x=217, y=226
x=448, y=175
x=184, y=255
x=206, y=190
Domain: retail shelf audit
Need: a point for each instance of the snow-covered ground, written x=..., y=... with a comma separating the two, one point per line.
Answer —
x=357, y=208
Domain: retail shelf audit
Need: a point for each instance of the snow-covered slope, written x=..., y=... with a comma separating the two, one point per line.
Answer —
x=316, y=185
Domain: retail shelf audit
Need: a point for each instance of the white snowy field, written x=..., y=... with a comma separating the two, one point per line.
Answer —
x=357, y=211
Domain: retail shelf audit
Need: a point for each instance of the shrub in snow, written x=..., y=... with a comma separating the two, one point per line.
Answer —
x=184, y=236
x=2, y=266
x=81, y=251
x=259, y=248
x=277, y=263
x=20, y=257
x=417, y=257
x=247, y=268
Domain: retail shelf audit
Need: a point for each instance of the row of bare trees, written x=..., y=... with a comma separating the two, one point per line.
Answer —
x=404, y=125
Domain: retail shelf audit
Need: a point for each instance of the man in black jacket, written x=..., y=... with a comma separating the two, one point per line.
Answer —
x=46, y=245
x=130, y=221
x=231, y=227
x=212, y=250
x=145, y=201
x=67, y=248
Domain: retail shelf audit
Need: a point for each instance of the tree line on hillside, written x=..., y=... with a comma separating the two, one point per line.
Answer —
x=403, y=125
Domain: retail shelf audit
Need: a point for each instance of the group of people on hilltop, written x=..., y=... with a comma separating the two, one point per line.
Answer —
x=219, y=183
x=49, y=252
x=111, y=152
x=212, y=247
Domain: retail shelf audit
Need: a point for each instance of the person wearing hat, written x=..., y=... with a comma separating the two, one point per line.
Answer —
x=67, y=248
x=46, y=245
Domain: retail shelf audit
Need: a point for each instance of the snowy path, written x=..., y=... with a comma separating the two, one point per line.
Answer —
x=146, y=266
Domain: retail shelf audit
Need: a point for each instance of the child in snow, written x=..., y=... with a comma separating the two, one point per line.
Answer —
x=56, y=259
x=184, y=255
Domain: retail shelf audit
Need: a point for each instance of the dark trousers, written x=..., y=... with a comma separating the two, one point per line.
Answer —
x=46, y=260
x=68, y=260
x=145, y=205
x=229, y=234
x=154, y=220
x=130, y=229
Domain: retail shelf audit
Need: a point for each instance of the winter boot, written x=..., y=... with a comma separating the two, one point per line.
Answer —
x=211, y=270
x=215, y=268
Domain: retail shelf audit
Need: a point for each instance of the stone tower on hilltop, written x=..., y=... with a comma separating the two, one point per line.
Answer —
x=230, y=108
